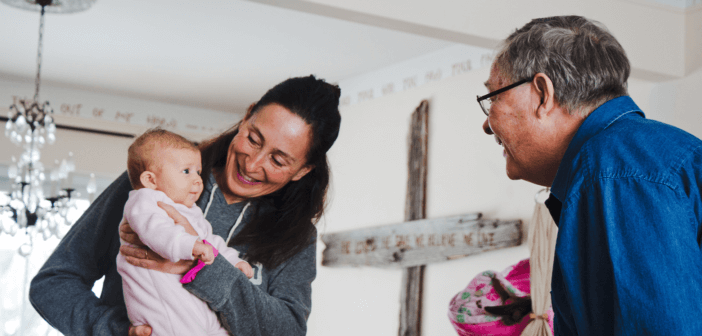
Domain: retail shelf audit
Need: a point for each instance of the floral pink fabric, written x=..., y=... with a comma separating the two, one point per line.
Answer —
x=466, y=310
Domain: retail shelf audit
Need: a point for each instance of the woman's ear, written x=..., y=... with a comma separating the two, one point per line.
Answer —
x=148, y=180
x=547, y=98
x=302, y=172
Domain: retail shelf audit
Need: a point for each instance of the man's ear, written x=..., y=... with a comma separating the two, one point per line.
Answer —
x=547, y=97
x=303, y=171
x=148, y=179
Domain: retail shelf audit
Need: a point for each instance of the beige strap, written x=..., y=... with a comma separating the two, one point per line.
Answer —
x=543, y=316
x=542, y=246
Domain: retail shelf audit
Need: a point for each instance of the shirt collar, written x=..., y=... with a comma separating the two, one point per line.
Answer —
x=596, y=122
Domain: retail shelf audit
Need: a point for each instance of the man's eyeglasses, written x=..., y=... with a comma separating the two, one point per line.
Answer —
x=485, y=101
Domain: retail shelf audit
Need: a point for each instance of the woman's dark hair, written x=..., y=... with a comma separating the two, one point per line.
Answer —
x=283, y=221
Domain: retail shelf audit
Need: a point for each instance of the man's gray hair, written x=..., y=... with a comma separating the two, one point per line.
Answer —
x=583, y=60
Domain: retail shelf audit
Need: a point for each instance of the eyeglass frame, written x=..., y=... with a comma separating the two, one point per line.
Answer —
x=498, y=91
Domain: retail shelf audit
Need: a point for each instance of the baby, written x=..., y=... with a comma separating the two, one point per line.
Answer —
x=164, y=166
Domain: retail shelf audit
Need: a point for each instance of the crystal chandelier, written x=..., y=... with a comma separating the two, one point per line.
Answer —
x=30, y=125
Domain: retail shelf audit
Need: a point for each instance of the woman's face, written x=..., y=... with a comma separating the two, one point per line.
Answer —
x=269, y=151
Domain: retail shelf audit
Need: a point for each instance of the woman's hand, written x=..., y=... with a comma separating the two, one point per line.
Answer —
x=140, y=255
x=142, y=330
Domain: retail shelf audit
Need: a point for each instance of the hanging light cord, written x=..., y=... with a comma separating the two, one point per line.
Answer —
x=41, y=36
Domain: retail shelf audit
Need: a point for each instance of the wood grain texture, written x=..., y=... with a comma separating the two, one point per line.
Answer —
x=411, y=301
x=419, y=242
x=415, y=208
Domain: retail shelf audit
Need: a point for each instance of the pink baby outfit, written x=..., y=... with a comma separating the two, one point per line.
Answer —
x=159, y=299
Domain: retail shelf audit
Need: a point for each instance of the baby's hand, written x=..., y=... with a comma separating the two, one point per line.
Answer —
x=246, y=268
x=204, y=252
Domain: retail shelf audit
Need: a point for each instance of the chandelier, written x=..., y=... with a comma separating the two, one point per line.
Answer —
x=30, y=124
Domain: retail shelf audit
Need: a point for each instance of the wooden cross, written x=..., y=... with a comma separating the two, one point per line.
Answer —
x=418, y=241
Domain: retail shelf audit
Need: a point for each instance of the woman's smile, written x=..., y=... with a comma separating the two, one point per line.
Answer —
x=246, y=179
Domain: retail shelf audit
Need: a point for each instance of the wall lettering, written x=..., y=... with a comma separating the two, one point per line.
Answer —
x=346, y=247
x=433, y=75
x=487, y=238
x=124, y=116
x=415, y=241
x=401, y=240
x=388, y=89
x=460, y=67
x=409, y=82
x=73, y=110
x=365, y=95
x=92, y=112
x=360, y=247
x=386, y=242
x=432, y=240
x=345, y=100
x=448, y=239
x=155, y=121
x=419, y=240
x=468, y=238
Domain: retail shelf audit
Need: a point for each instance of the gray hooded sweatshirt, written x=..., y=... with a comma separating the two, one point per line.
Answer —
x=274, y=302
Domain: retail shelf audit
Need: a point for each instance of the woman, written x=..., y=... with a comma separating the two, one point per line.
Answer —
x=265, y=185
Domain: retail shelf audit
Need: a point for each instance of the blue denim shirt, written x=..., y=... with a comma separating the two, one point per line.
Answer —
x=628, y=258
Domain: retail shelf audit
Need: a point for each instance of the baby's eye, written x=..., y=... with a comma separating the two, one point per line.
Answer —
x=199, y=173
x=186, y=170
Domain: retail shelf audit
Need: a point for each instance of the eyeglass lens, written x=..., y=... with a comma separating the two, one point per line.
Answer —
x=486, y=104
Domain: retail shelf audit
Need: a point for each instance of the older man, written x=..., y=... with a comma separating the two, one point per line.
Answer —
x=625, y=190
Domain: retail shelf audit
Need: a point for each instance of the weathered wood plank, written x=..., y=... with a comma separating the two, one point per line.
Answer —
x=419, y=242
x=411, y=301
x=415, y=208
x=415, y=199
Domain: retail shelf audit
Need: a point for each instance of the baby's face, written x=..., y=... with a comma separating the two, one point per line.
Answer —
x=179, y=175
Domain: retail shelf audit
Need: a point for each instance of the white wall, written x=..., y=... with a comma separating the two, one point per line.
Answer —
x=693, y=40
x=466, y=174
x=679, y=103
x=654, y=33
x=105, y=155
